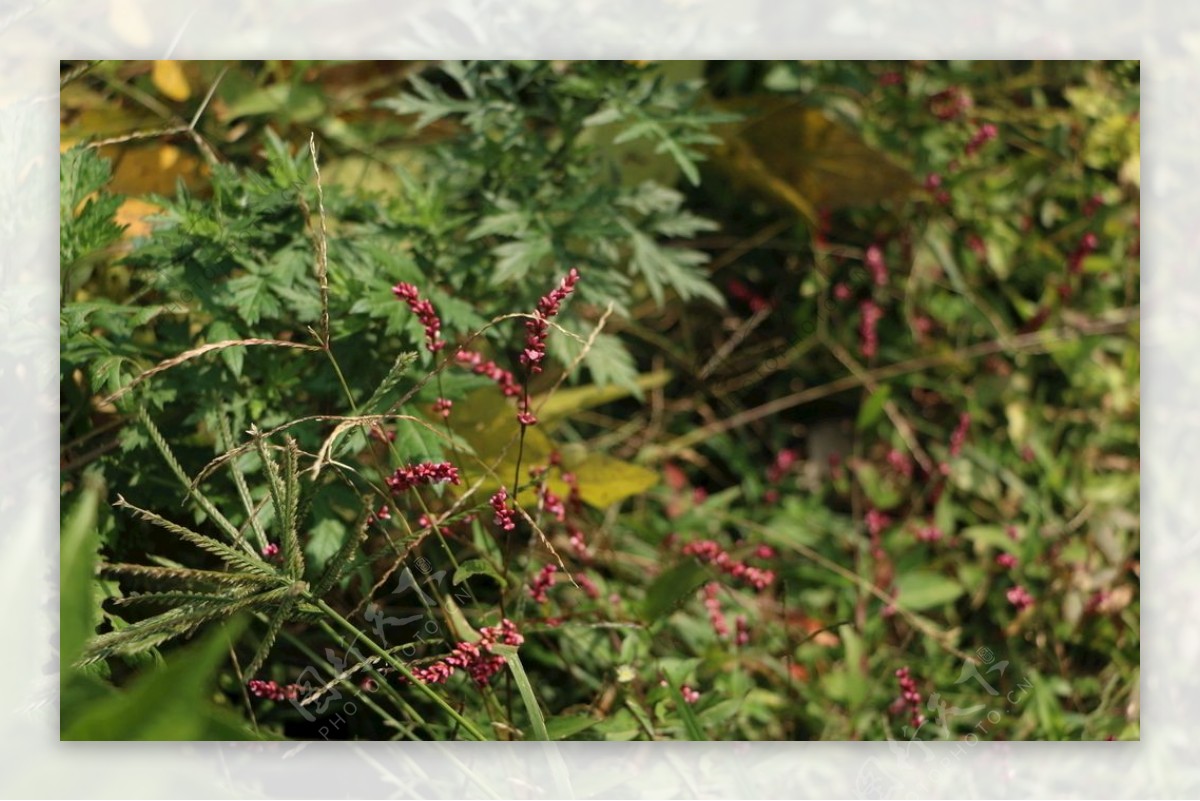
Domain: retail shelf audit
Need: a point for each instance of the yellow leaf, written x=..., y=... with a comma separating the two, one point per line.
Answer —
x=604, y=480
x=803, y=159
x=487, y=421
x=153, y=169
x=133, y=213
x=168, y=77
x=565, y=402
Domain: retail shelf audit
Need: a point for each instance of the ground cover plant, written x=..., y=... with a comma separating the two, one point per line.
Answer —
x=600, y=400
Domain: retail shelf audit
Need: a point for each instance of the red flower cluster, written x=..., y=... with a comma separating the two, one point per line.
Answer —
x=1019, y=597
x=909, y=698
x=587, y=585
x=535, y=340
x=950, y=103
x=900, y=462
x=476, y=659
x=273, y=691
x=868, y=338
x=1087, y=245
x=270, y=551
x=425, y=313
x=785, y=459
x=382, y=514
x=986, y=133
x=929, y=534
x=1006, y=560
x=542, y=583
x=442, y=406
x=713, y=605
x=405, y=478
x=689, y=695
x=508, y=384
x=959, y=437
x=742, y=638
x=712, y=553
x=876, y=522
x=739, y=291
x=553, y=504
x=505, y=518
x=875, y=263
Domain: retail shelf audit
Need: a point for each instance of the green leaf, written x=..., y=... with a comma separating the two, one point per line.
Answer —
x=253, y=297
x=221, y=331
x=168, y=703
x=477, y=567
x=78, y=612
x=690, y=724
x=324, y=540
x=672, y=589
x=509, y=652
x=872, y=410
x=564, y=727
x=880, y=489
x=985, y=537
x=924, y=589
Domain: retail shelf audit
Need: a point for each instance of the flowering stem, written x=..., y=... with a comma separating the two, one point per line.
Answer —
x=366, y=699
x=399, y=666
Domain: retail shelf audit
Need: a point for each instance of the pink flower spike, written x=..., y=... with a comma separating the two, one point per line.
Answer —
x=537, y=328
x=542, y=582
x=505, y=518
x=405, y=478
x=1019, y=597
x=425, y=313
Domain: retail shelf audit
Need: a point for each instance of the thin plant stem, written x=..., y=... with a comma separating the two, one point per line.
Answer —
x=402, y=668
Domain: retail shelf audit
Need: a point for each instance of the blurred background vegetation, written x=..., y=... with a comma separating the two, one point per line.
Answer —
x=870, y=325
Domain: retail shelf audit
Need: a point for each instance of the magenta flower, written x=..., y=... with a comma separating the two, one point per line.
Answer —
x=537, y=328
x=868, y=338
x=273, y=690
x=875, y=263
x=713, y=605
x=542, y=583
x=505, y=518
x=909, y=698
x=476, y=658
x=503, y=378
x=405, y=478
x=425, y=313
x=711, y=553
x=1019, y=597
x=959, y=437
x=986, y=133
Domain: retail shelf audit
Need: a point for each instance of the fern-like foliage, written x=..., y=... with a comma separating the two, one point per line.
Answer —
x=249, y=581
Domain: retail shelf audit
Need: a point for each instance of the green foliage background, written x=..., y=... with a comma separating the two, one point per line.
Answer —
x=721, y=215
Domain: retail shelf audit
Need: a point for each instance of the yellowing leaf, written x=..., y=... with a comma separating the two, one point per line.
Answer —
x=132, y=214
x=565, y=402
x=168, y=78
x=805, y=160
x=487, y=422
x=153, y=169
